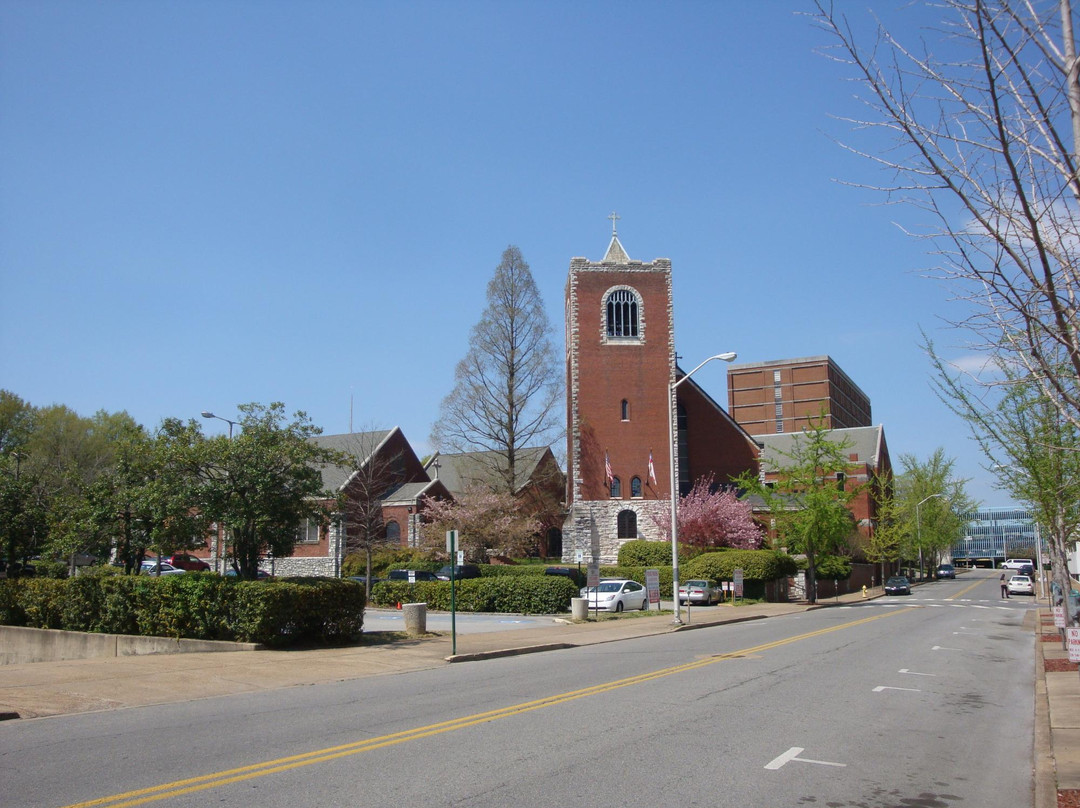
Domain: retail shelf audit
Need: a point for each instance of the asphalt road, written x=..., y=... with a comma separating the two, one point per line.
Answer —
x=922, y=701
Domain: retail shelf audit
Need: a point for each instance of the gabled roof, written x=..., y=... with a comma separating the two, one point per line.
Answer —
x=409, y=493
x=359, y=444
x=866, y=442
x=461, y=471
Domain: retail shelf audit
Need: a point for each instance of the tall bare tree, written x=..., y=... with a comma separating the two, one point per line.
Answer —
x=982, y=117
x=508, y=386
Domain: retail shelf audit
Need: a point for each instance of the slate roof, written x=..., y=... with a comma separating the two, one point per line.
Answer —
x=408, y=493
x=458, y=471
x=867, y=442
x=362, y=444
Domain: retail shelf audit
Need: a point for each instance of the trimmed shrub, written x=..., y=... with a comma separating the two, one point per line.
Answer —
x=641, y=553
x=757, y=565
x=520, y=594
x=195, y=606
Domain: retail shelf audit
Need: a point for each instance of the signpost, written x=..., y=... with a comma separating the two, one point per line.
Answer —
x=1059, y=617
x=1072, y=643
x=652, y=585
x=737, y=574
x=592, y=581
x=454, y=553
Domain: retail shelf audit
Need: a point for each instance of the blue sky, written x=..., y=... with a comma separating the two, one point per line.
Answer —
x=209, y=203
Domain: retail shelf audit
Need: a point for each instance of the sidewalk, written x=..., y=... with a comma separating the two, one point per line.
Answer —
x=1057, y=718
x=43, y=689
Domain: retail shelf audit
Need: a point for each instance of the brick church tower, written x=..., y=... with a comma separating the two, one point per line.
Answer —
x=620, y=363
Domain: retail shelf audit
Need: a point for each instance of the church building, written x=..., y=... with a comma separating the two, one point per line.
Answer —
x=620, y=366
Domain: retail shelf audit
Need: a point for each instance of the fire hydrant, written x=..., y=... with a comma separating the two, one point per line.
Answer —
x=864, y=590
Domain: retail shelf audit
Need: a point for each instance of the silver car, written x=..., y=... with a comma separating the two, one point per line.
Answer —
x=1021, y=585
x=699, y=592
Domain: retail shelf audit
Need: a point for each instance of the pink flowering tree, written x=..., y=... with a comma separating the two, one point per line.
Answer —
x=709, y=518
x=484, y=519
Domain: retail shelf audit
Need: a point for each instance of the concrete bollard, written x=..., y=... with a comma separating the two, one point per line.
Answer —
x=415, y=618
x=579, y=608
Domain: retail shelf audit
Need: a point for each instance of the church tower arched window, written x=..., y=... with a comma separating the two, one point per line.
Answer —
x=622, y=314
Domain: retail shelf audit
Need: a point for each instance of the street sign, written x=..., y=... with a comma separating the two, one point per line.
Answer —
x=1059, y=617
x=1072, y=642
x=579, y=556
x=460, y=557
x=593, y=577
x=652, y=584
x=451, y=540
x=737, y=574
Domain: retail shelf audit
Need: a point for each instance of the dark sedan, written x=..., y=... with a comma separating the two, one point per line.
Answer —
x=946, y=571
x=898, y=585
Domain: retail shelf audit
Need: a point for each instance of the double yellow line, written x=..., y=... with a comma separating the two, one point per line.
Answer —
x=192, y=785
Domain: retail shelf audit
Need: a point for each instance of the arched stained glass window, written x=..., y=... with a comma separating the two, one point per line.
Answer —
x=393, y=531
x=616, y=488
x=635, y=487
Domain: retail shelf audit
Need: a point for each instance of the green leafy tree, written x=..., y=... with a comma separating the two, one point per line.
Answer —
x=808, y=506
x=1033, y=449
x=263, y=483
x=508, y=387
x=931, y=502
x=890, y=532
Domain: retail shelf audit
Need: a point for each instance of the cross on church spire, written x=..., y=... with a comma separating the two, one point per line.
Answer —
x=614, y=218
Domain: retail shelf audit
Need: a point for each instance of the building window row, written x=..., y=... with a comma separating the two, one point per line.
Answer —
x=636, y=490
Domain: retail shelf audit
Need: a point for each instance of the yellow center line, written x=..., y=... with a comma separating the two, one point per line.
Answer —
x=965, y=590
x=207, y=781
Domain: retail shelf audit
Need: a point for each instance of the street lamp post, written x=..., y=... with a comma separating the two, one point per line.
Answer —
x=219, y=535
x=918, y=529
x=673, y=414
x=208, y=414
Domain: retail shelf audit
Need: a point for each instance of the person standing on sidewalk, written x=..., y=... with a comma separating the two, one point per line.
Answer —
x=1004, y=587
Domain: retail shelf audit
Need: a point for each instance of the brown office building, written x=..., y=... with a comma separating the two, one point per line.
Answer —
x=783, y=395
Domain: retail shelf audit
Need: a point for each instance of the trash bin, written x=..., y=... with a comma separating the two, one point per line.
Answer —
x=579, y=608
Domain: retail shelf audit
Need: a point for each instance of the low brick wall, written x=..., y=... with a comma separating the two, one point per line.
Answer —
x=20, y=645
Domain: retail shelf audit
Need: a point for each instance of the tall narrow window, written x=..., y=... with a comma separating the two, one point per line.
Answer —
x=625, y=410
x=622, y=314
x=635, y=487
x=627, y=525
x=616, y=488
x=393, y=532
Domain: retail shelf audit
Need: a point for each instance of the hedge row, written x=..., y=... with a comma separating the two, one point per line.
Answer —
x=201, y=606
x=516, y=594
x=641, y=553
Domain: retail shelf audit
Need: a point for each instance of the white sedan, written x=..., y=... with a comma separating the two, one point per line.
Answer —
x=1021, y=585
x=150, y=567
x=617, y=594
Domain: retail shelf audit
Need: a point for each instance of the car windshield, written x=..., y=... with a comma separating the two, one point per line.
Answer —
x=896, y=581
x=697, y=583
x=609, y=586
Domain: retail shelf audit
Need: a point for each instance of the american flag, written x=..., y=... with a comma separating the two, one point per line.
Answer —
x=652, y=471
x=607, y=469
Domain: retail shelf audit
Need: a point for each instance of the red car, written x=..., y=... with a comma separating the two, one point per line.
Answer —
x=187, y=562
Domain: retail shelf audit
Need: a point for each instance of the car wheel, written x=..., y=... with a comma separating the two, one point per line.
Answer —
x=618, y=606
x=644, y=603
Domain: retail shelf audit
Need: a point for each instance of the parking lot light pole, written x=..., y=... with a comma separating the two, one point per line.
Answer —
x=208, y=414
x=221, y=539
x=673, y=415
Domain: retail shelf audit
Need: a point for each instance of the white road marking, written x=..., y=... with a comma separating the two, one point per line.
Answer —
x=880, y=688
x=793, y=754
x=945, y=648
x=914, y=673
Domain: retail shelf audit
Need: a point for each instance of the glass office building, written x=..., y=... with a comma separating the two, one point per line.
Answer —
x=990, y=535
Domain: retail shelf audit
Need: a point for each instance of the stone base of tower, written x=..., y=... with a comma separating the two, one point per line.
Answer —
x=592, y=526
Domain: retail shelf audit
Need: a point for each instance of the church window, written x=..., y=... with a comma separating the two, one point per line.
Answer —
x=622, y=310
x=616, y=488
x=393, y=532
x=627, y=525
x=635, y=487
x=625, y=410
x=308, y=532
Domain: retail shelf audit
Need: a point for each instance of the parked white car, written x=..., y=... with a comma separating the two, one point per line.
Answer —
x=616, y=595
x=1021, y=585
x=150, y=567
